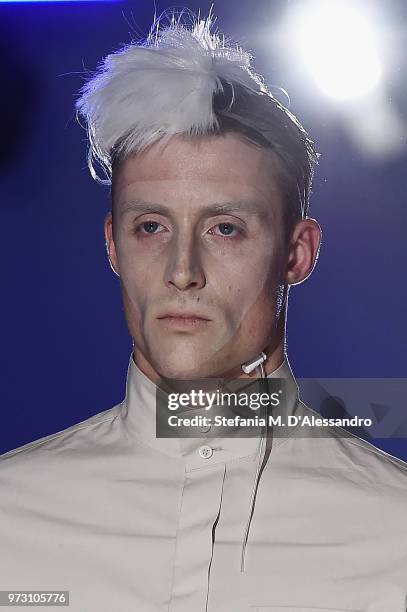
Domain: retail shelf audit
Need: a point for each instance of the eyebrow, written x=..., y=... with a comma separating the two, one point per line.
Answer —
x=215, y=209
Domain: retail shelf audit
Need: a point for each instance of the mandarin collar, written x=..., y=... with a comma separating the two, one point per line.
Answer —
x=138, y=414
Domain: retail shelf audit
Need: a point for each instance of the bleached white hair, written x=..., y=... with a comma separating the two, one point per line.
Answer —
x=191, y=81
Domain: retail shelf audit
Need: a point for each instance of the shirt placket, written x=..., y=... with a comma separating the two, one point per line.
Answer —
x=199, y=510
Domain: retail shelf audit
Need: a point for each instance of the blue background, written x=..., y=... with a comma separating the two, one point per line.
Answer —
x=64, y=341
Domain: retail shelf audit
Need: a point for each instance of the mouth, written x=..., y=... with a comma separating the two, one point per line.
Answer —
x=183, y=320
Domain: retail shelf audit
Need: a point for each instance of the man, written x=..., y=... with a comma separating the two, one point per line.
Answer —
x=211, y=179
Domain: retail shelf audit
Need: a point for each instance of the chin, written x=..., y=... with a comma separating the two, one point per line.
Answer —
x=186, y=366
x=180, y=370
x=177, y=359
x=180, y=365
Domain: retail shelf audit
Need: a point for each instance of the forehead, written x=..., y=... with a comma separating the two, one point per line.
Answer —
x=226, y=164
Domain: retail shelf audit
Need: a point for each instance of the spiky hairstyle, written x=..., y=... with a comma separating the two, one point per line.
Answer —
x=187, y=79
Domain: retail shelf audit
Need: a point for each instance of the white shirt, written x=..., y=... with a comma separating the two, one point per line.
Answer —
x=128, y=522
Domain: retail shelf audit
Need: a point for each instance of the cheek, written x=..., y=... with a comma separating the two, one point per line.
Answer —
x=134, y=279
x=249, y=305
x=247, y=282
x=134, y=271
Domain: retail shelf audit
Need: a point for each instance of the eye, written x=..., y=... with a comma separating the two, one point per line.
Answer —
x=227, y=229
x=148, y=227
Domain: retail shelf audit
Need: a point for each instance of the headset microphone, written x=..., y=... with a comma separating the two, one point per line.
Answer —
x=251, y=365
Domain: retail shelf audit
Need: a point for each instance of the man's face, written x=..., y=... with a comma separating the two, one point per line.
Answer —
x=199, y=231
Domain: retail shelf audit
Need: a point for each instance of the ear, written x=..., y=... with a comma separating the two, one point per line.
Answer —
x=303, y=251
x=110, y=246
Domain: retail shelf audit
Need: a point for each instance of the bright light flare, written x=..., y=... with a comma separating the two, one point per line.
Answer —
x=338, y=46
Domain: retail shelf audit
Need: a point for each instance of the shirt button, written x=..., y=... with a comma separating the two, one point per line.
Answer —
x=204, y=428
x=205, y=452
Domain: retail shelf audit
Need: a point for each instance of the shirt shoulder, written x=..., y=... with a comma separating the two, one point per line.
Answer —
x=347, y=454
x=94, y=431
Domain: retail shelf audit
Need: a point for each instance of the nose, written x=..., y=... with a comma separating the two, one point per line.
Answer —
x=184, y=267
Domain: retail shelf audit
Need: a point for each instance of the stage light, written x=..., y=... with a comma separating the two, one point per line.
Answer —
x=337, y=44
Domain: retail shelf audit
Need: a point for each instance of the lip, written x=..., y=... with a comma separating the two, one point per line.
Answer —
x=184, y=321
x=180, y=316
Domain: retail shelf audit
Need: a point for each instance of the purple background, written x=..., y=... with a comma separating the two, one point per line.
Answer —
x=65, y=345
